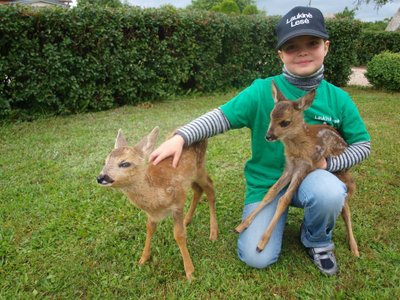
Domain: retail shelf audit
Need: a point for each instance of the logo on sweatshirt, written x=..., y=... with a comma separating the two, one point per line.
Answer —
x=327, y=120
x=299, y=19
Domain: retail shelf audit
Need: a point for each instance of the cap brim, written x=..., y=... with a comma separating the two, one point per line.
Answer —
x=301, y=33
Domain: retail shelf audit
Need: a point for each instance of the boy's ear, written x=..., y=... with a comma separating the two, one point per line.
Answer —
x=326, y=46
x=147, y=144
x=276, y=93
x=120, y=141
x=305, y=102
x=280, y=54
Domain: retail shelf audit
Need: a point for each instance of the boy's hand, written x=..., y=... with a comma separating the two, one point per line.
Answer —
x=171, y=147
x=322, y=164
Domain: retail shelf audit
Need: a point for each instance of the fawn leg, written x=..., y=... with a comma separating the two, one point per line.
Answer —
x=150, y=229
x=208, y=188
x=283, y=203
x=180, y=238
x=347, y=220
x=197, y=192
x=272, y=193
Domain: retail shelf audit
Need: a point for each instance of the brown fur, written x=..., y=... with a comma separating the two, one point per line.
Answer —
x=304, y=145
x=160, y=190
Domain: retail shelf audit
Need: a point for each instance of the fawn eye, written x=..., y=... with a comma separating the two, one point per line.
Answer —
x=124, y=164
x=284, y=123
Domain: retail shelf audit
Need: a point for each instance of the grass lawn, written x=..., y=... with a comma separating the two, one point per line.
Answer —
x=62, y=236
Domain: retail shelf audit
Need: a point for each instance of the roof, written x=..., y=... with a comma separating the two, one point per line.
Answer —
x=33, y=2
x=394, y=24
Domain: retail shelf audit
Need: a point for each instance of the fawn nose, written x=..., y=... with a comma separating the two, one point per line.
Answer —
x=104, y=179
x=270, y=137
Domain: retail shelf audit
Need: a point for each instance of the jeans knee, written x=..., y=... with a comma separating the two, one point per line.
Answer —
x=331, y=200
x=257, y=260
x=328, y=194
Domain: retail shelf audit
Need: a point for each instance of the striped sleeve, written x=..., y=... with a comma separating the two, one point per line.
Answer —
x=208, y=125
x=353, y=155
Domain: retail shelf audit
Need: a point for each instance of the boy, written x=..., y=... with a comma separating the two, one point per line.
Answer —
x=302, y=46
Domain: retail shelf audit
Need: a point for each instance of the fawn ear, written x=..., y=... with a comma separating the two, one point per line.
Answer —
x=305, y=102
x=276, y=93
x=120, y=140
x=147, y=144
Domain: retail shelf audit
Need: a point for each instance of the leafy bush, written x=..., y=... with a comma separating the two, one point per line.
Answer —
x=375, y=26
x=228, y=7
x=57, y=61
x=342, y=55
x=371, y=43
x=250, y=10
x=383, y=71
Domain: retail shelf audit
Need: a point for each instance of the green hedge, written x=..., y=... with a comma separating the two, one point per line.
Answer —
x=342, y=54
x=58, y=61
x=371, y=43
x=383, y=71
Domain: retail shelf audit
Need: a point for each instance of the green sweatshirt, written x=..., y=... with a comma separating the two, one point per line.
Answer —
x=251, y=108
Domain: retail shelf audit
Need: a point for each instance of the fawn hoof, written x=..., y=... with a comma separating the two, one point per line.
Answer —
x=143, y=260
x=355, y=252
x=260, y=246
x=189, y=276
x=213, y=235
x=354, y=248
x=239, y=229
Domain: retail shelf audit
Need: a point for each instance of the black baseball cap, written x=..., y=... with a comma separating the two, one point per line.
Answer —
x=301, y=20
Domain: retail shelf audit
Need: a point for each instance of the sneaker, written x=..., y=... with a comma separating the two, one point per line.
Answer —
x=324, y=259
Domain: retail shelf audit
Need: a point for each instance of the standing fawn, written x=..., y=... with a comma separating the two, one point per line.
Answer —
x=304, y=146
x=160, y=190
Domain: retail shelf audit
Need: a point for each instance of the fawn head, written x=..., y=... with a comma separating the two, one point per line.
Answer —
x=287, y=116
x=124, y=162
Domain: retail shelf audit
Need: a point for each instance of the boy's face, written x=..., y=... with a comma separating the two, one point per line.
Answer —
x=304, y=55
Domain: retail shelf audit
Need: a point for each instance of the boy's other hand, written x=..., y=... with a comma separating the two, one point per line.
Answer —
x=322, y=164
x=171, y=147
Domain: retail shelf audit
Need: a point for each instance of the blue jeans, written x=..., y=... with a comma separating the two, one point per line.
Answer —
x=321, y=194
